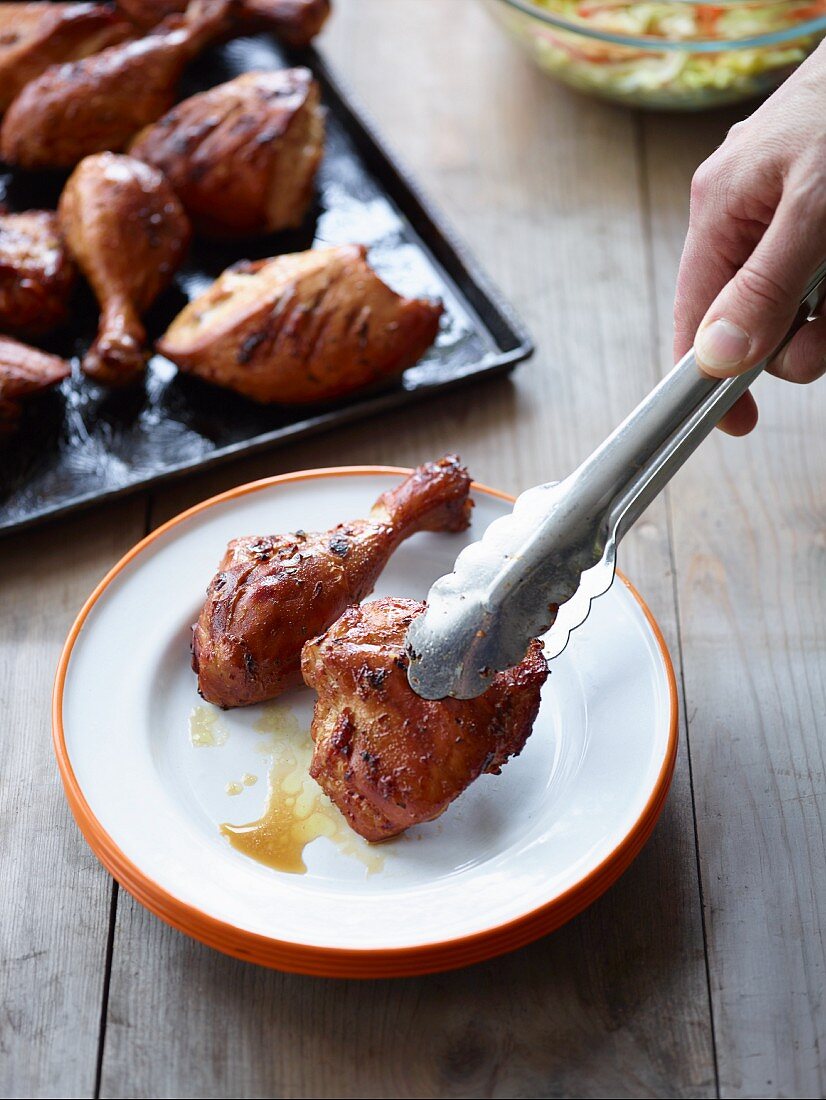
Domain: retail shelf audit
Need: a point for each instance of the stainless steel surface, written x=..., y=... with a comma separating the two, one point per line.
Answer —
x=541, y=566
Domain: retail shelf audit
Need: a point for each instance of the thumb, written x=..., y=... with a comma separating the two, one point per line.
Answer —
x=753, y=312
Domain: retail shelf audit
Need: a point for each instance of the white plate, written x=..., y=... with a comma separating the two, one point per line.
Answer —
x=513, y=857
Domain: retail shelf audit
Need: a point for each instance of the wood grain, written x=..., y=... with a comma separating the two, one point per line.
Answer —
x=547, y=189
x=749, y=522
x=55, y=895
x=578, y=211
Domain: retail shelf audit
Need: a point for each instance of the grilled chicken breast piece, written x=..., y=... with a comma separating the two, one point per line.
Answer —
x=310, y=326
x=242, y=156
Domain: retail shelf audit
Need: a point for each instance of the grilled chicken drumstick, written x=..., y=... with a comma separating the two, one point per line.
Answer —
x=34, y=36
x=387, y=758
x=24, y=371
x=273, y=593
x=128, y=232
x=242, y=156
x=296, y=22
x=299, y=328
x=99, y=103
x=36, y=273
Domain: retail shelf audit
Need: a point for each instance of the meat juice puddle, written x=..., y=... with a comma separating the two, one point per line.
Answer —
x=297, y=811
x=204, y=730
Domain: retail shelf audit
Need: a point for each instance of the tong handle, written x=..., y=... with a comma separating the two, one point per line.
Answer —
x=713, y=403
x=623, y=475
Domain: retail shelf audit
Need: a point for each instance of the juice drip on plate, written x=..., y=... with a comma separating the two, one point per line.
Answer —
x=205, y=731
x=246, y=780
x=297, y=810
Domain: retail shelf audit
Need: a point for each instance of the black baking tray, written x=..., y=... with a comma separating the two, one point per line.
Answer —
x=82, y=443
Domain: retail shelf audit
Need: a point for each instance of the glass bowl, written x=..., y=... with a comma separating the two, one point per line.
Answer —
x=672, y=55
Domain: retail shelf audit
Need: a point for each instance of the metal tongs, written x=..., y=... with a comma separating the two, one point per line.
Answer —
x=541, y=566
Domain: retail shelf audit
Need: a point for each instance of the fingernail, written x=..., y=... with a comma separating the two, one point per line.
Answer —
x=778, y=364
x=722, y=345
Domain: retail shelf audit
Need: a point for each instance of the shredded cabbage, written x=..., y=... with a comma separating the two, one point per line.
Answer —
x=685, y=22
x=683, y=77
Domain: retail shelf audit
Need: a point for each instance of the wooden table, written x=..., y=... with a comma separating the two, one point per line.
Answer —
x=703, y=971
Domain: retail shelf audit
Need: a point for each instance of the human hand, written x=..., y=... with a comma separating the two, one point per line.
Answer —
x=757, y=232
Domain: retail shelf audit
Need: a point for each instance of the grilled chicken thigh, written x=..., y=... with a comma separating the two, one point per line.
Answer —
x=129, y=233
x=273, y=593
x=296, y=22
x=24, y=371
x=34, y=36
x=300, y=328
x=99, y=103
x=36, y=273
x=387, y=758
x=242, y=156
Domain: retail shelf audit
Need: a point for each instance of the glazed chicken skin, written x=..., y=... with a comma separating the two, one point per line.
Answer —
x=34, y=36
x=99, y=103
x=24, y=371
x=129, y=233
x=242, y=156
x=387, y=758
x=295, y=22
x=147, y=14
x=36, y=273
x=311, y=326
x=273, y=593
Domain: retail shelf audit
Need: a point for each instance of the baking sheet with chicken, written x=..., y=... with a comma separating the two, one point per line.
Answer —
x=87, y=439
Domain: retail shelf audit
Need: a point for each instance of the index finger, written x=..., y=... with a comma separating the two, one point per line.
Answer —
x=704, y=271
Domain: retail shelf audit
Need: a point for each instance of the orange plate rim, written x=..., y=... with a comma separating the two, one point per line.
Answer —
x=348, y=962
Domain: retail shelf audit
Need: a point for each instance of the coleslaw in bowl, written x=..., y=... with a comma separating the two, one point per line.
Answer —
x=671, y=54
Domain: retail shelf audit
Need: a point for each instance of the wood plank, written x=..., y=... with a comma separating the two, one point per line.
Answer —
x=749, y=519
x=56, y=897
x=546, y=187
